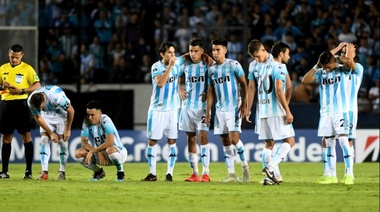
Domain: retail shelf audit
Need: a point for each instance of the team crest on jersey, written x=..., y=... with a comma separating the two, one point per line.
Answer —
x=19, y=78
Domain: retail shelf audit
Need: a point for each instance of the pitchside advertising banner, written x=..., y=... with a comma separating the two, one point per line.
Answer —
x=307, y=148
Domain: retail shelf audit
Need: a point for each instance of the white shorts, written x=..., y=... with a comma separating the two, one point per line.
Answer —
x=333, y=124
x=192, y=120
x=162, y=122
x=275, y=128
x=353, y=121
x=55, y=123
x=226, y=121
x=123, y=153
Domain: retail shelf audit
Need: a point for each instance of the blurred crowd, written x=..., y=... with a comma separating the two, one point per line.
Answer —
x=116, y=41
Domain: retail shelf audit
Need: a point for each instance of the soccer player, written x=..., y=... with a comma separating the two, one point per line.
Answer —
x=107, y=149
x=163, y=110
x=353, y=86
x=275, y=117
x=226, y=81
x=54, y=113
x=194, y=108
x=261, y=57
x=334, y=108
x=17, y=79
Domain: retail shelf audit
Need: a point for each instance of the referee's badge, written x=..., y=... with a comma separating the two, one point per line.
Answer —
x=19, y=78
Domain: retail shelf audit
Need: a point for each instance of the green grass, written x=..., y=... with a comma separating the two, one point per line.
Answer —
x=296, y=193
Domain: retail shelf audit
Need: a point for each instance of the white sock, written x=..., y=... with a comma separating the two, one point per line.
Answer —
x=116, y=159
x=172, y=158
x=151, y=154
x=63, y=155
x=240, y=150
x=282, y=152
x=331, y=155
x=276, y=168
x=92, y=165
x=326, y=169
x=45, y=153
x=266, y=157
x=193, y=160
x=352, y=158
x=343, y=141
x=205, y=158
x=229, y=158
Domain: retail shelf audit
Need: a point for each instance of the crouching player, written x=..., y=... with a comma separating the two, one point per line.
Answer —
x=108, y=149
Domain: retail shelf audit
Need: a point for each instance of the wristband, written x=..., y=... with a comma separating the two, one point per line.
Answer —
x=22, y=91
x=315, y=67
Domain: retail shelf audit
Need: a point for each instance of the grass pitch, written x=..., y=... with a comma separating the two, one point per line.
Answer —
x=298, y=192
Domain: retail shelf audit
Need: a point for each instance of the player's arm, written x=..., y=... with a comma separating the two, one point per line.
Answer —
x=85, y=145
x=243, y=91
x=41, y=122
x=282, y=100
x=162, y=79
x=348, y=58
x=309, y=76
x=108, y=143
x=207, y=59
x=181, y=90
x=288, y=89
x=209, y=102
x=69, y=122
x=335, y=50
x=251, y=91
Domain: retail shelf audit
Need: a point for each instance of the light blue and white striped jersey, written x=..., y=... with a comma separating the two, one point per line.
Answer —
x=196, y=84
x=255, y=67
x=333, y=96
x=224, y=79
x=269, y=106
x=353, y=86
x=97, y=133
x=57, y=102
x=166, y=98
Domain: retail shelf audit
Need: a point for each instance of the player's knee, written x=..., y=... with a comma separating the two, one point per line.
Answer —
x=80, y=153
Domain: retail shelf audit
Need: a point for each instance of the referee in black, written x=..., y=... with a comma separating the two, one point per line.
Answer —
x=17, y=80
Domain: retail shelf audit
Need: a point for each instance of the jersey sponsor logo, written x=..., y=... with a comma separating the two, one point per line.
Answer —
x=367, y=147
x=196, y=79
x=330, y=81
x=221, y=80
x=171, y=79
x=264, y=101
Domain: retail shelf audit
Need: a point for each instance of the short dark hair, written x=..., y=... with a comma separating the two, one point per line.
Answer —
x=36, y=99
x=325, y=57
x=219, y=41
x=196, y=42
x=254, y=46
x=279, y=47
x=16, y=48
x=94, y=104
x=165, y=46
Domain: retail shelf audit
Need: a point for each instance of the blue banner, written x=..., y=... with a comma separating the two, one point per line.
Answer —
x=307, y=148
